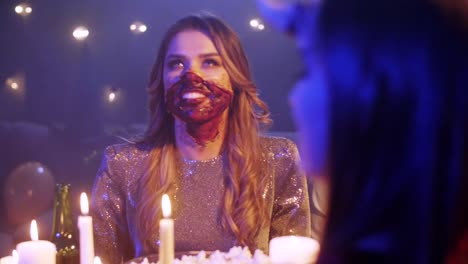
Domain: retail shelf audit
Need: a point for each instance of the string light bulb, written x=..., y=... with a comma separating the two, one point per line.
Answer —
x=256, y=24
x=138, y=27
x=15, y=83
x=111, y=97
x=80, y=33
x=23, y=9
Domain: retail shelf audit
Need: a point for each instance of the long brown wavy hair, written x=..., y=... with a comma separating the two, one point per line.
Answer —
x=243, y=209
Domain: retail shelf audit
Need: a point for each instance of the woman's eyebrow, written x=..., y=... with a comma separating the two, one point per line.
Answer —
x=174, y=55
x=210, y=54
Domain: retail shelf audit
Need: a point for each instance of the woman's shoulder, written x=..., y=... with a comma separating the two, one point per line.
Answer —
x=124, y=161
x=279, y=150
x=278, y=145
x=126, y=151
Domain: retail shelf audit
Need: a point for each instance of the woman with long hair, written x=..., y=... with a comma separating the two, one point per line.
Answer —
x=228, y=184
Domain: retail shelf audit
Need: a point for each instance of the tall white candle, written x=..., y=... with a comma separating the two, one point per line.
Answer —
x=36, y=251
x=85, y=225
x=166, y=233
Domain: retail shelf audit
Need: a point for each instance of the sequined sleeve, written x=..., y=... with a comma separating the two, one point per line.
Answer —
x=291, y=211
x=112, y=242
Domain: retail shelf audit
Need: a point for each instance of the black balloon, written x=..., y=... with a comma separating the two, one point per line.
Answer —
x=29, y=191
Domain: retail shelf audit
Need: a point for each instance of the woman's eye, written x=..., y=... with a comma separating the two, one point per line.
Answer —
x=211, y=63
x=173, y=64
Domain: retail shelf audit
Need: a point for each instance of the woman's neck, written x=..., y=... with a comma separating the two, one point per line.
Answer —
x=200, y=142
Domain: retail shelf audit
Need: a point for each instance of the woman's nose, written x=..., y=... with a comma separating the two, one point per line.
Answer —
x=193, y=68
x=192, y=79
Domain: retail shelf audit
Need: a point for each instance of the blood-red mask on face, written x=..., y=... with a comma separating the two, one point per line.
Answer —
x=199, y=103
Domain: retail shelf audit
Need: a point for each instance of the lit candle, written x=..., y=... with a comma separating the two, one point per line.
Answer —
x=97, y=260
x=85, y=224
x=36, y=251
x=15, y=256
x=166, y=233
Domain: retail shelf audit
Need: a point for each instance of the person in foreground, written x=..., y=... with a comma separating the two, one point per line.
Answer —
x=386, y=85
x=228, y=184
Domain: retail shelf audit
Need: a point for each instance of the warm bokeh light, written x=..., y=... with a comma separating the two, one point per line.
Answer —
x=80, y=33
x=142, y=28
x=166, y=206
x=23, y=9
x=112, y=94
x=34, y=231
x=19, y=9
x=254, y=23
x=14, y=86
x=15, y=83
x=138, y=27
x=84, y=204
x=111, y=97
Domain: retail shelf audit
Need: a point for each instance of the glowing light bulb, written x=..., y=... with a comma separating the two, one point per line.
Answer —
x=23, y=9
x=80, y=33
x=19, y=9
x=14, y=86
x=254, y=23
x=138, y=27
x=111, y=96
x=142, y=28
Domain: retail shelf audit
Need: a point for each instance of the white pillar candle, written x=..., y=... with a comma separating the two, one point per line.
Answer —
x=293, y=250
x=166, y=233
x=85, y=225
x=13, y=259
x=36, y=251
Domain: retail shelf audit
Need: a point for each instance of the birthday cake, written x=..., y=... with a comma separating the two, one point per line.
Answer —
x=236, y=255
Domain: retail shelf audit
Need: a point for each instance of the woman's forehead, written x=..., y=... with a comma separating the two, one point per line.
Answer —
x=191, y=42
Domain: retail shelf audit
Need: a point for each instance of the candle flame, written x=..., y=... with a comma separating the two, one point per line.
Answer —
x=97, y=260
x=15, y=255
x=166, y=206
x=84, y=204
x=34, y=232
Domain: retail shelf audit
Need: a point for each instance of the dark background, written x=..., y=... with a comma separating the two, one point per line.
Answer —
x=59, y=116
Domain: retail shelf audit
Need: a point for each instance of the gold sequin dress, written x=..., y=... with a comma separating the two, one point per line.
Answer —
x=196, y=201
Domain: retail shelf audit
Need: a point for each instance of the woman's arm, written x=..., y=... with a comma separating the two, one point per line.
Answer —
x=112, y=240
x=291, y=210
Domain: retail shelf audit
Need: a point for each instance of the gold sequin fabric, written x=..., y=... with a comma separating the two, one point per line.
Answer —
x=196, y=201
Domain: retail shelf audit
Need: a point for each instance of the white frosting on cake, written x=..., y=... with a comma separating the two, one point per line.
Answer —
x=236, y=255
